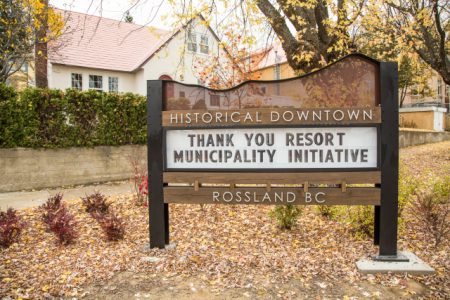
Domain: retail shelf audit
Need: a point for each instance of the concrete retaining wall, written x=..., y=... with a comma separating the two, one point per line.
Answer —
x=411, y=137
x=26, y=169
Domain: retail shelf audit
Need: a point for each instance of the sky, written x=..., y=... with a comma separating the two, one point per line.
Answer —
x=146, y=12
x=155, y=13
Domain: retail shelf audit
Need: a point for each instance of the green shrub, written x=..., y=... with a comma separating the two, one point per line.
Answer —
x=432, y=209
x=361, y=220
x=286, y=215
x=12, y=116
x=327, y=211
x=46, y=118
x=53, y=118
x=82, y=110
x=407, y=187
x=122, y=119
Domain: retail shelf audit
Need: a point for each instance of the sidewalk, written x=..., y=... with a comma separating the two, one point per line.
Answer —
x=19, y=200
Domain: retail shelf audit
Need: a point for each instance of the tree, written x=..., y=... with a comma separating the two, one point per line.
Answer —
x=419, y=26
x=413, y=73
x=228, y=68
x=16, y=40
x=413, y=76
x=20, y=22
x=312, y=33
x=322, y=29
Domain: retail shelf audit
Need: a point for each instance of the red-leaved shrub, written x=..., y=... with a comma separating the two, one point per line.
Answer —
x=64, y=225
x=143, y=186
x=96, y=203
x=50, y=207
x=112, y=224
x=10, y=227
x=140, y=181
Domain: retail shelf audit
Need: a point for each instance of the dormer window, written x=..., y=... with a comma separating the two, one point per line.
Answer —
x=192, y=41
x=204, y=46
x=195, y=45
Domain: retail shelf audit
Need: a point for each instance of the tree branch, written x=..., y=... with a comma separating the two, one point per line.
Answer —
x=278, y=23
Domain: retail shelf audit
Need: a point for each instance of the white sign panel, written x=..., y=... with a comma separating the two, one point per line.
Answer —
x=272, y=148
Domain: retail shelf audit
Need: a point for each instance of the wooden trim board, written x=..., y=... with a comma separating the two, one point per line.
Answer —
x=273, y=178
x=276, y=196
x=269, y=116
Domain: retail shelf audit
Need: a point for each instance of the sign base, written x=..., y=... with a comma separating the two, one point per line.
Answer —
x=170, y=246
x=406, y=262
x=400, y=257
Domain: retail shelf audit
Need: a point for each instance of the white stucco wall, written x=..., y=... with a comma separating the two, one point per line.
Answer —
x=175, y=60
x=60, y=77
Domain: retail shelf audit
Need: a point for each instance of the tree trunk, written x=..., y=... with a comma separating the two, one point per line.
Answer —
x=403, y=95
x=41, y=49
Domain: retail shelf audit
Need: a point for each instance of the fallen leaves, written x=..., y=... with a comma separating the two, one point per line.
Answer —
x=224, y=246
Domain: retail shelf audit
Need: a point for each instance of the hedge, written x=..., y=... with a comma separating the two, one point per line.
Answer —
x=48, y=118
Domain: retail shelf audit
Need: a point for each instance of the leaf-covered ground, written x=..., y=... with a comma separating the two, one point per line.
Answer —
x=221, y=252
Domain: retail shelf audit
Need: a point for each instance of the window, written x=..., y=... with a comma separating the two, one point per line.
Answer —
x=96, y=82
x=24, y=67
x=192, y=41
x=204, y=47
x=113, y=84
x=77, y=81
x=214, y=100
x=439, y=89
x=277, y=71
x=263, y=90
x=447, y=94
x=182, y=94
x=277, y=77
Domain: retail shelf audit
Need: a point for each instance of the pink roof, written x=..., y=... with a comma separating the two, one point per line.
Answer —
x=101, y=43
x=274, y=55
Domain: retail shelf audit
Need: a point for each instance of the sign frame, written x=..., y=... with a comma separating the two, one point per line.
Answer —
x=385, y=214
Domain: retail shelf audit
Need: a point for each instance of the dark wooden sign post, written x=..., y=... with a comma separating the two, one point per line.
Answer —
x=326, y=138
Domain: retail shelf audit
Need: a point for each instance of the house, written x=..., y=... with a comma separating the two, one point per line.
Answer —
x=23, y=78
x=113, y=56
x=430, y=110
x=271, y=63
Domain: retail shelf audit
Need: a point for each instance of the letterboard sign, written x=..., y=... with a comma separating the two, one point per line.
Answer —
x=272, y=148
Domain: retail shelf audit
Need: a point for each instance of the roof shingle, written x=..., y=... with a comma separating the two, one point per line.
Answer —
x=101, y=43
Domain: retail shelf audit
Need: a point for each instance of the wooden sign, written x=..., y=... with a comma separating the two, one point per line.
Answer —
x=325, y=138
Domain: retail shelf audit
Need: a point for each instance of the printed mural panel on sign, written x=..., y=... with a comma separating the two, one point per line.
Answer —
x=351, y=82
x=272, y=148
